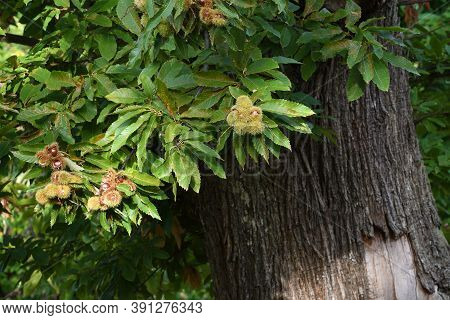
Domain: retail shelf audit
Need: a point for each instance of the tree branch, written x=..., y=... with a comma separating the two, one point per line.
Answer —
x=411, y=2
x=429, y=115
x=12, y=38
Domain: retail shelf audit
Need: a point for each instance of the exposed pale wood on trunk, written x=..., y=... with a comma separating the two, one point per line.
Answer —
x=391, y=270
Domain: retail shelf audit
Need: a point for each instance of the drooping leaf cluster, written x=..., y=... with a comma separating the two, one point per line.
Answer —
x=150, y=91
x=145, y=87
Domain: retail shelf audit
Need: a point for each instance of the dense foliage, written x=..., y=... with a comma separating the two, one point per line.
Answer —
x=141, y=97
x=430, y=95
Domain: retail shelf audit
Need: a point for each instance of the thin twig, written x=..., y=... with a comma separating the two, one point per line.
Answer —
x=13, y=38
x=411, y=2
x=429, y=115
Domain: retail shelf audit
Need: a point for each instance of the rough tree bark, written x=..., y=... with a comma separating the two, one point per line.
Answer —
x=350, y=220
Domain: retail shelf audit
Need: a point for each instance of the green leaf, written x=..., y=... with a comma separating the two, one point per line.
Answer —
x=150, y=8
x=121, y=140
x=107, y=45
x=366, y=68
x=166, y=97
x=40, y=74
x=196, y=179
x=238, y=148
x=261, y=65
x=321, y=35
x=207, y=100
x=104, y=221
x=199, y=146
x=126, y=96
x=141, y=178
x=32, y=283
x=331, y=49
x=176, y=75
x=30, y=158
x=308, y=68
x=106, y=84
x=215, y=166
x=370, y=21
x=286, y=108
x=128, y=16
x=121, y=120
x=126, y=189
x=88, y=111
x=355, y=85
x=72, y=165
x=184, y=168
x=214, y=79
x=286, y=37
x=62, y=126
x=59, y=79
x=381, y=75
x=353, y=13
x=172, y=130
x=285, y=60
x=31, y=93
x=236, y=92
x=312, y=6
x=267, y=26
x=223, y=138
x=100, y=162
x=162, y=14
x=99, y=20
x=62, y=3
x=145, y=78
x=400, y=62
x=371, y=38
x=105, y=112
x=141, y=152
x=354, y=53
x=277, y=137
x=260, y=146
x=35, y=113
x=103, y=5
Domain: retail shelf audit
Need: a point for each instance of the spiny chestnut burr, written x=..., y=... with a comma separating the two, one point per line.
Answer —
x=64, y=192
x=57, y=164
x=51, y=156
x=51, y=190
x=205, y=3
x=41, y=197
x=43, y=158
x=108, y=196
x=188, y=4
x=244, y=117
x=111, y=198
x=94, y=204
x=140, y=5
x=210, y=16
x=104, y=186
x=53, y=151
x=64, y=177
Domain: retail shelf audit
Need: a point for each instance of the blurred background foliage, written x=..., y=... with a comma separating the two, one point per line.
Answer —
x=167, y=259
x=430, y=93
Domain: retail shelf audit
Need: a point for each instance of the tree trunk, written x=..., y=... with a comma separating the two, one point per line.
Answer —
x=354, y=219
